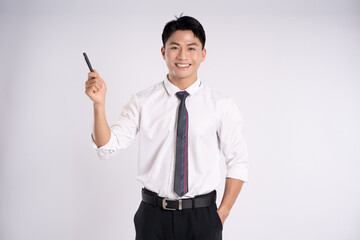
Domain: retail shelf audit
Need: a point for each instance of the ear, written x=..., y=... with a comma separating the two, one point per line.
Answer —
x=163, y=52
x=203, y=54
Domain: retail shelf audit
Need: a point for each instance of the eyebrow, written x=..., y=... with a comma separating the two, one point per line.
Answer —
x=190, y=44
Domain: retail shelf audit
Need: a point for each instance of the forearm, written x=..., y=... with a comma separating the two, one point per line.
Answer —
x=232, y=190
x=101, y=130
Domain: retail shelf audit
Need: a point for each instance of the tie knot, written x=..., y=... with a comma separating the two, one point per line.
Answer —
x=182, y=95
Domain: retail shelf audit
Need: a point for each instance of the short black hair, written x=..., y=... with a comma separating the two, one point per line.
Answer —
x=184, y=23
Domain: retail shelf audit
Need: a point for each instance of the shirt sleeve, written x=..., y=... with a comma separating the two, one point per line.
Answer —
x=232, y=143
x=123, y=131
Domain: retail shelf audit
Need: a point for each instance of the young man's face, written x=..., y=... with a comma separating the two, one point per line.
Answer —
x=183, y=54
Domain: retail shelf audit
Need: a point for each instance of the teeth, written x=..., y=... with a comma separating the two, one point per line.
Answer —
x=182, y=65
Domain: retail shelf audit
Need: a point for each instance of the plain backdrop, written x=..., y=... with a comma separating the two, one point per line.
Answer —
x=292, y=67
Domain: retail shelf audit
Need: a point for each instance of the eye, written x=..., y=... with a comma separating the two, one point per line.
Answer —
x=174, y=48
x=192, y=49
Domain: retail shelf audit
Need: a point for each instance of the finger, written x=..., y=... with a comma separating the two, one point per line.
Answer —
x=101, y=82
x=93, y=87
x=91, y=92
x=97, y=86
x=92, y=75
x=92, y=81
x=90, y=89
x=98, y=75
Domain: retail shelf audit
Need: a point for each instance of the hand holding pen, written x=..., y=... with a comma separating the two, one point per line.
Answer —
x=95, y=86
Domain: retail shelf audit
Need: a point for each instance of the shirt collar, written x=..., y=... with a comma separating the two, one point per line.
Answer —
x=172, y=89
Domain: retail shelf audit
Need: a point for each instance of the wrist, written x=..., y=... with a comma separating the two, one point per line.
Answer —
x=99, y=105
x=224, y=210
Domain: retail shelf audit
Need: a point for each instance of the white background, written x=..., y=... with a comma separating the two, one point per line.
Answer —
x=293, y=68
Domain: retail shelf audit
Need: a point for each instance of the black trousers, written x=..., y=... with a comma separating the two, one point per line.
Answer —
x=155, y=223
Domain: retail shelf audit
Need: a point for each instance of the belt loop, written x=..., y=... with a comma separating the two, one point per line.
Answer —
x=193, y=203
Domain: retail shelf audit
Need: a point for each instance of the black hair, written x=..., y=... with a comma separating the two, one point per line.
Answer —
x=184, y=23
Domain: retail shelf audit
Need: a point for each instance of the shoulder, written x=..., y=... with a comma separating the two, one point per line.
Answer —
x=217, y=96
x=222, y=102
x=138, y=97
x=158, y=87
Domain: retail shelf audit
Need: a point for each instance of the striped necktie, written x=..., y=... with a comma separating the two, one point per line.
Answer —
x=181, y=164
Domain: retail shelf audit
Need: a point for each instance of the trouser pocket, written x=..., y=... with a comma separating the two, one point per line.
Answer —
x=217, y=217
x=137, y=213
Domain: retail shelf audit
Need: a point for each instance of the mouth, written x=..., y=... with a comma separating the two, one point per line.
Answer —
x=182, y=65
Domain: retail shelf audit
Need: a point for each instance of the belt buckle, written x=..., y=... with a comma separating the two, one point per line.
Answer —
x=164, y=204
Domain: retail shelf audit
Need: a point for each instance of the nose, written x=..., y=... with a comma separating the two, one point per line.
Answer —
x=182, y=54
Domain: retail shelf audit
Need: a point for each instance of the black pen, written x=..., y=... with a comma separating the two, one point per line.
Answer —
x=88, y=62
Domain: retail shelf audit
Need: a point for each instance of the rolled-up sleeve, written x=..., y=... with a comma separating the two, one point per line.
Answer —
x=232, y=143
x=123, y=131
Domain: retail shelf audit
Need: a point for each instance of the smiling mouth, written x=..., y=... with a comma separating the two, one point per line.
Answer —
x=182, y=65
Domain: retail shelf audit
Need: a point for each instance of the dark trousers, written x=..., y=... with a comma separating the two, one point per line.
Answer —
x=155, y=223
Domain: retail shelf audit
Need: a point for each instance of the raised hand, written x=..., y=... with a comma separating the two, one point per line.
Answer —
x=95, y=87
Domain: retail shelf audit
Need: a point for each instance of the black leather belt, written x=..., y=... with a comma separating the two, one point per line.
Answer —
x=180, y=204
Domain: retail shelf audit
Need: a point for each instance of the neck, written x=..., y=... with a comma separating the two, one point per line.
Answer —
x=182, y=84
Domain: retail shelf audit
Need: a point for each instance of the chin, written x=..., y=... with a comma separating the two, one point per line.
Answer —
x=181, y=77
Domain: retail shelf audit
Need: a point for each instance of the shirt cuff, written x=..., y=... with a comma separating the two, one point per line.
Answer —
x=106, y=151
x=238, y=172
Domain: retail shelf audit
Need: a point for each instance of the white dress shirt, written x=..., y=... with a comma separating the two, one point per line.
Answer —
x=214, y=128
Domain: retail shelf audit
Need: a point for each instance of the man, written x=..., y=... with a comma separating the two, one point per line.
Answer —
x=184, y=126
